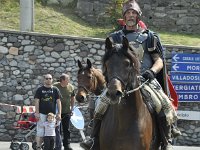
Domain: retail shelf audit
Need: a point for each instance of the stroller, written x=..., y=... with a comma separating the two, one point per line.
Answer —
x=26, y=126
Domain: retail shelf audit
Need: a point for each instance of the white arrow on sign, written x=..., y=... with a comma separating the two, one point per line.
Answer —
x=175, y=67
x=175, y=57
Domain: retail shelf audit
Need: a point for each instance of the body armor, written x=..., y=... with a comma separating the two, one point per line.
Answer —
x=138, y=43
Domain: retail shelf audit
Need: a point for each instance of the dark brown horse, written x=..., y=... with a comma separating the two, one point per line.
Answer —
x=127, y=124
x=90, y=80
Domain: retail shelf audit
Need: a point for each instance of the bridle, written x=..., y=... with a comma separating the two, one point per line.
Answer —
x=130, y=86
x=84, y=88
x=88, y=91
x=137, y=88
x=94, y=88
x=128, y=90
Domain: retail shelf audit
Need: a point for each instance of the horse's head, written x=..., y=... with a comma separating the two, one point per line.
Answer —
x=89, y=80
x=121, y=68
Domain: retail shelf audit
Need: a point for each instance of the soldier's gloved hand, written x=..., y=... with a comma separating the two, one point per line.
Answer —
x=149, y=74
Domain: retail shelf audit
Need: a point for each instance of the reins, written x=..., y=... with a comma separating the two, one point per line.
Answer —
x=135, y=89
x=82, y=86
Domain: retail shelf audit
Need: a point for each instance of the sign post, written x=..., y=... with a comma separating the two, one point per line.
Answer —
x=26, y=15
x=188, y=115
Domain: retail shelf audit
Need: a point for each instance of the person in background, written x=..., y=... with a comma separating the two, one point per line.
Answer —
x=46, y=98
x=49, y=131
x=58, y=139
x=67, y=100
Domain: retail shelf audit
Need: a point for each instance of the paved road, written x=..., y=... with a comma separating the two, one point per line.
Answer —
x=6, y=145
x=75, y=146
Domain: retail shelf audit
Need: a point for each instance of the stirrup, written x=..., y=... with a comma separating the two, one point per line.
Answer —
x=87, y=144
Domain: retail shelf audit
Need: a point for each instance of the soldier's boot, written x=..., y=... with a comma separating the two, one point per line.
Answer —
x=93, y=140
x=168, y=135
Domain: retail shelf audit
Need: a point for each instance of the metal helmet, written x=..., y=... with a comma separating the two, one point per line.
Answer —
x=131, y=4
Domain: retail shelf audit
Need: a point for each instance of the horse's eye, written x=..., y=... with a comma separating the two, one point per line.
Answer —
x=90, y=77
x=127, y=63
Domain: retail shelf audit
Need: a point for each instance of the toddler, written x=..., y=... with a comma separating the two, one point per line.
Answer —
x=49, y=131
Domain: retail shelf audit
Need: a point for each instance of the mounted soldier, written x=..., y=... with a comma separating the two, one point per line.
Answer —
x=147, y=46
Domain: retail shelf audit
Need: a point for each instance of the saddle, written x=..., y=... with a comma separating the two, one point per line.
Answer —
x=159, y=107
x=148, y=100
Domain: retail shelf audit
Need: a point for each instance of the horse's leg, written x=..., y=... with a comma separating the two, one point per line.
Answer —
x=95, y=133
x=96, y=145
x=90, y=125
x=91, y=113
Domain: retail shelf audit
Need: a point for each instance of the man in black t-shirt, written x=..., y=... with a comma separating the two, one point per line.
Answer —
x=46, y=98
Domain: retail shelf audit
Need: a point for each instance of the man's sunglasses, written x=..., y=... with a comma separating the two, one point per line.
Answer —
x=48, y=78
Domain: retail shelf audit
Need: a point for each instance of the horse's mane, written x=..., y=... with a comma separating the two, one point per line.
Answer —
x=119, y=49
x=98, y=73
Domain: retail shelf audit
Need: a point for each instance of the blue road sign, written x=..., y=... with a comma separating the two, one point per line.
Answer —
x=186, y=88
x=185, y=78
x=189, y=97
x=183, y=57
x=185, y=67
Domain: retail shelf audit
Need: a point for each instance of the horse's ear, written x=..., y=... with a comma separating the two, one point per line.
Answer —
x=125, y=43
x=89, y=64
x=79, y=64
x=108, y=44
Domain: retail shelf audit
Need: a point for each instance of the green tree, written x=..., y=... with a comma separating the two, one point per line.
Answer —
x=115, y=11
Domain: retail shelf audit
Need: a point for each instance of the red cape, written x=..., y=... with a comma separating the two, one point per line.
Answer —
x=173, y=93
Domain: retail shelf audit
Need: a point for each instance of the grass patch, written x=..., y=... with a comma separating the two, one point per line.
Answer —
x=56, y=20
x=65, y=22
x=180, y=39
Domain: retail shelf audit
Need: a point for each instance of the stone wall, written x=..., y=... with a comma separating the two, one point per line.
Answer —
x=7, y=121
x=93, y=11
x=26, y=57
x=171, y=15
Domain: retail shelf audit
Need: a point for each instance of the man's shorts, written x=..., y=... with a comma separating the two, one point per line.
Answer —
x=40, y=129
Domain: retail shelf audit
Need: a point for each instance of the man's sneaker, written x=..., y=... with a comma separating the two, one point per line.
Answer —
x=176, y=132
x=68, y=147
x=87, y=144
